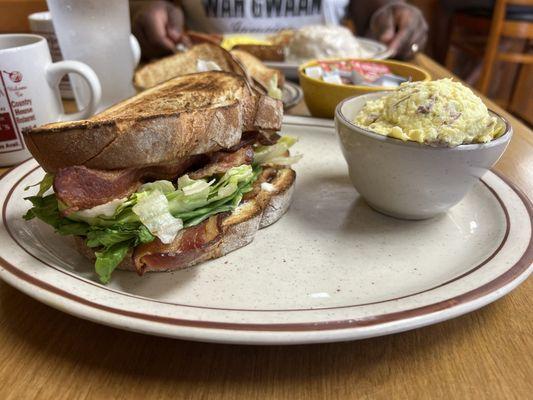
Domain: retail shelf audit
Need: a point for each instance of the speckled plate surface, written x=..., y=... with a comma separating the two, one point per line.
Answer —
x=330, y=270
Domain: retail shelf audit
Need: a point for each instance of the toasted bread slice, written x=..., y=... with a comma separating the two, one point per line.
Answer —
x=187, y=115
x=236, y=230
x=257, y=70
x=264, y=52
x=166, y=68
x=238, y=61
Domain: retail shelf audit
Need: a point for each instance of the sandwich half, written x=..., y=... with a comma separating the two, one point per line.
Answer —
x=210, y=56
x=184, y=172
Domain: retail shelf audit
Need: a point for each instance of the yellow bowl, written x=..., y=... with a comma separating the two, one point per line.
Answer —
x=322, y=97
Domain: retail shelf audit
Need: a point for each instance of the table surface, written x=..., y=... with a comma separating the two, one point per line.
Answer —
x=486, y=354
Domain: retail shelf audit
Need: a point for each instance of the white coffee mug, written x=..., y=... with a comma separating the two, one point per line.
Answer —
x=41, y=24
x=29, y=94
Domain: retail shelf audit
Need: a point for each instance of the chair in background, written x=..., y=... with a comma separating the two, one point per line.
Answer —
x=467, y=34
x=502, y=27
x=488, y=33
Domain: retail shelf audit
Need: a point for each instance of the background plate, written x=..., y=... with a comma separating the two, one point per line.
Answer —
x=375, y=49
x=332, y=269
x=292, y=94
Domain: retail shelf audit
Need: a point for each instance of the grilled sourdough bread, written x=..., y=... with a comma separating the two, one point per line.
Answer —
x=218, y=235
x=184, y=63
x=187, y=115
x=238, y=62
x=257, y=70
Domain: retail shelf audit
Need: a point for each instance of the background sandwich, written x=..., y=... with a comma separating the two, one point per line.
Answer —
x=210, y=56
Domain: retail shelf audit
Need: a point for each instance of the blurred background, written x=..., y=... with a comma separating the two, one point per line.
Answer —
x=487, y=43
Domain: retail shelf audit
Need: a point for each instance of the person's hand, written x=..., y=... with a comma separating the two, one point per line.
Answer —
x=158, y=27
x=401, y=27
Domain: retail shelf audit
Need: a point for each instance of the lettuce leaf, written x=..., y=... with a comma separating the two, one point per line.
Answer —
x=153, y=212
x=162, y=185
x=46, y=209
x=113, y=244
x=44, y=185
x=273, y=90
x=277, y=153
x=108, y=259
x=107, y=237
x=195, y=195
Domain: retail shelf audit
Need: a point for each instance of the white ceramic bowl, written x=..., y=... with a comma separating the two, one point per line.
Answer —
x=406, y=179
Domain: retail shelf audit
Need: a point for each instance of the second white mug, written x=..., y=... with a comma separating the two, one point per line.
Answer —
x=41, y=24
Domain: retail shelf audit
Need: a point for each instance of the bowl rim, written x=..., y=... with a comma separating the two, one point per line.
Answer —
x=339, y=116
x=33, y=40
x=301, y=73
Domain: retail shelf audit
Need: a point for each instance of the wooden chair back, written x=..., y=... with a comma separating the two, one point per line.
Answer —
x=501, y=27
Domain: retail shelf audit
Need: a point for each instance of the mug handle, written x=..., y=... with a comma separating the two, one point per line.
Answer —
x=136, y=50
x=56, y=71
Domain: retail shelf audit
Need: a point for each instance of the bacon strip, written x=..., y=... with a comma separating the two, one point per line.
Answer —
x=221, y=161
x=247, y=139
x=192, y=245
x=81, y=188
x=267, y=138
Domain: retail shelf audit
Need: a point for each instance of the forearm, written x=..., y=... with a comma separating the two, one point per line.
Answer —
x=158, y=25
x=361, y=11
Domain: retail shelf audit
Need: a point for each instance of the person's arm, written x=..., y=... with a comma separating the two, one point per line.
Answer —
x=399, y=25
x=360, y=12
x=158, y=25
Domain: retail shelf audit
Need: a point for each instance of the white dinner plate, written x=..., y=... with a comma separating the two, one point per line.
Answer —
x=291, y=94
x=375, y=49
x=330, y=270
